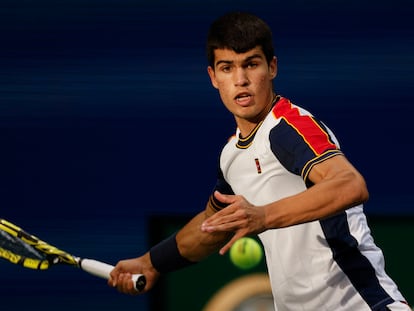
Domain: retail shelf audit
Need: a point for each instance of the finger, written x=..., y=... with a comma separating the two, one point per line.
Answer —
x=229, y=218
x=230, y=243
x=224, y=224
x=207, y=224
x=126, y=284
x=220, y=215
x=123, y=282
x=130, y=286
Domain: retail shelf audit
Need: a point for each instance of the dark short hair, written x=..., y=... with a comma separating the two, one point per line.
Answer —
x=240, y=32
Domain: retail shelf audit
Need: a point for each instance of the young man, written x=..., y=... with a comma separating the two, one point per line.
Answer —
x=281, y=176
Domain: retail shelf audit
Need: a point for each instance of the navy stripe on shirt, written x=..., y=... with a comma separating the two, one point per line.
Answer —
x=355, y=265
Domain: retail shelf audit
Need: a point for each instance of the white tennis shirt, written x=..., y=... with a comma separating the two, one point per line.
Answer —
x=332, y=264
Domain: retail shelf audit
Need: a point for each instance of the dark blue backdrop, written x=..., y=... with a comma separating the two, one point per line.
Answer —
x=107, y=116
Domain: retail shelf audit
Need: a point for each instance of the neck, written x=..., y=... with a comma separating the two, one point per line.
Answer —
x=246, y=126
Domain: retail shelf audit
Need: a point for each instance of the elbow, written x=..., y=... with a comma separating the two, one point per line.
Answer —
x=364, y=195
x=360, y=190
x=355, y=191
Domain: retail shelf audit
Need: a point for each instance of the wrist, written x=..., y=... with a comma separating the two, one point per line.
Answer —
x=165, y=256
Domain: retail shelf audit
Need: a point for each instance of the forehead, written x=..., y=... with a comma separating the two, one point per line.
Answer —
x=228, y=55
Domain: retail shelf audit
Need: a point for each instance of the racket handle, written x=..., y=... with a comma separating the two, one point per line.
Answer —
x=102, y=270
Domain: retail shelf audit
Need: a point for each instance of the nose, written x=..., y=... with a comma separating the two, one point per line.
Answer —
x=241, y=78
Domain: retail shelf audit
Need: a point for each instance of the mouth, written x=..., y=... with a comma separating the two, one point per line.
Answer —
x=243, y=98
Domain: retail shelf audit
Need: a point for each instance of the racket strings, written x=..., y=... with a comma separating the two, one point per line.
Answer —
x=20, y=247
x=18, y=252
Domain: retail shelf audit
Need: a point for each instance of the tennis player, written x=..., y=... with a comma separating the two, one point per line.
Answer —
x=284, y=177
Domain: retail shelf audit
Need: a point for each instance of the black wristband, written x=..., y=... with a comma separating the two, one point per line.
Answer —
x=165, y=256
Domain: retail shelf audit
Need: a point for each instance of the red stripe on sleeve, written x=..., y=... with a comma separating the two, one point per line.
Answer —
x=314, y=135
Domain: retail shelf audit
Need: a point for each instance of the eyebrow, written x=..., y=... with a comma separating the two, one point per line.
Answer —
x=247, y=59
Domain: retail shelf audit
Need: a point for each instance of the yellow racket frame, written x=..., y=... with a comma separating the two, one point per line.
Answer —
x=53, y=254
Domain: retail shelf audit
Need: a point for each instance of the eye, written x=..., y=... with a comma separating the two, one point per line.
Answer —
x=252, y=65
x=226, y=68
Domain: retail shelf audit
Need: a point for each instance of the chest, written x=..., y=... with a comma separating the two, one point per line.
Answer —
x=256, y=173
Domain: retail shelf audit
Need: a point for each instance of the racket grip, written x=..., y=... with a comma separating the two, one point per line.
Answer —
x=102, y=270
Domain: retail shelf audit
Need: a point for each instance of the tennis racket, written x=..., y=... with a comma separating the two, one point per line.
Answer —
x=21, y=248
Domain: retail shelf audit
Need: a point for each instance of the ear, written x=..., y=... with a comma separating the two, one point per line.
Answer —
x=212, y=76
x=273, y=68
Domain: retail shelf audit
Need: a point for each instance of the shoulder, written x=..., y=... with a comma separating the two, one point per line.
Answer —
x=285, y=108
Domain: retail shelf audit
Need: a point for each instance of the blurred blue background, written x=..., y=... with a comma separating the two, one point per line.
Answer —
x=107, y=117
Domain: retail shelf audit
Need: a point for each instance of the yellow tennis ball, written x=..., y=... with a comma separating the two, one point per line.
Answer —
x=246, y=253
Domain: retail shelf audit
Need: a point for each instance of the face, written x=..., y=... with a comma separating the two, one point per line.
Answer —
x=244, y=82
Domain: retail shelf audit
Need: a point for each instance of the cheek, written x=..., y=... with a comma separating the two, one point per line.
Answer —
x=225, y=95
x=265, y=81
x=223, y=87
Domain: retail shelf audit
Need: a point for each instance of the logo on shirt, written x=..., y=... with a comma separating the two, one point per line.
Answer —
x=259, y=169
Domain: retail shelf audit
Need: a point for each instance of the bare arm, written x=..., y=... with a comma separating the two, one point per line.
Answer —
x=337, y=186
x=195, y=244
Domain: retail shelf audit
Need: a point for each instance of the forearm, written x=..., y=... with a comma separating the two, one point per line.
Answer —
x=188, y=246
x=326, y=198
x=196, y=245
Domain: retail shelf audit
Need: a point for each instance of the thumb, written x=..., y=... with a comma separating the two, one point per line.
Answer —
x=224, y=198
x=113, y=277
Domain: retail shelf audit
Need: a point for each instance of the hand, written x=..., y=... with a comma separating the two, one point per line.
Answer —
x=240, y=217
x=121, y=275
